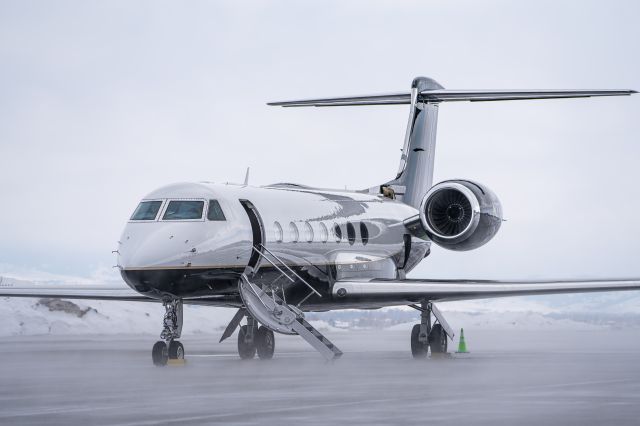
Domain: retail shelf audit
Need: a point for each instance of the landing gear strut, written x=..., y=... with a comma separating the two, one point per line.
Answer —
x=253, y=338
x=425, y=336
x=169, y=348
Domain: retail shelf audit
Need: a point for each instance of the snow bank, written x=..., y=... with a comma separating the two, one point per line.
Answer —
x=29, y=317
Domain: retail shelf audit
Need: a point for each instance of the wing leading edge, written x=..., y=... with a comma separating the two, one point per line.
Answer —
x=381, y=292
x=10, y=287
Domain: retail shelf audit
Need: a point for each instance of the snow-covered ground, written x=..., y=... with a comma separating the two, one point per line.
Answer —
x=28, y=316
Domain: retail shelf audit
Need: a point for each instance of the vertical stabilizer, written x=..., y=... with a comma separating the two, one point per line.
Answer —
x=415, y=174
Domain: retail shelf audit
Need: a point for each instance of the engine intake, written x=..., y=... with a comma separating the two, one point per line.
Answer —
x=460, y=214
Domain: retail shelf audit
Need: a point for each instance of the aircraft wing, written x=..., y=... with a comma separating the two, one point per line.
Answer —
x=443, y=95
x=10, y=287
x=382, y=292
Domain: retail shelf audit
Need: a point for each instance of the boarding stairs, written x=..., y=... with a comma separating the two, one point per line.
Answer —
x=267, y=304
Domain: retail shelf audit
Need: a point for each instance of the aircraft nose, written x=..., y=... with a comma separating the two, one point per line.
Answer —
x=153, y=244
x=141, y=248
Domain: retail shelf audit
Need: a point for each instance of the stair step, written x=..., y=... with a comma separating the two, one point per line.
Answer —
x=317, y=340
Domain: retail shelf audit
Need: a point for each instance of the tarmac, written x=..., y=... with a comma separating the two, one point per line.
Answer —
x=525, y=378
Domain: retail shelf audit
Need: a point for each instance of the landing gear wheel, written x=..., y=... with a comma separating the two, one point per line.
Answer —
x=160, y=354
x=265, y=343
x=246, y=350
x=438, y=340
x=176, y=350
x=418, y=349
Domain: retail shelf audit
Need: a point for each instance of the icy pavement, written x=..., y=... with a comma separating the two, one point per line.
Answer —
x=547, y=377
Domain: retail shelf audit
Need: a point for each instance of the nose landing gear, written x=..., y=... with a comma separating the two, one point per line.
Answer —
x=160, y=354
x=169, y=348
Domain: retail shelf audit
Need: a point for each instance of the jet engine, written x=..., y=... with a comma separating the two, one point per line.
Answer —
x=460, y=214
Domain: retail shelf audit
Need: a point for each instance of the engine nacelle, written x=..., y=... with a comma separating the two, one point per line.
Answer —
x=460, y=214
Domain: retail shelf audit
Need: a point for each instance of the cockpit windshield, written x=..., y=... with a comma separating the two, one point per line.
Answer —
x=146, y=210
x=183, y=210
x=215, y=211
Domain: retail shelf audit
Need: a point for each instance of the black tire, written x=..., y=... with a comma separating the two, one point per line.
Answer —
x=160, y=354
x=246, y=350
x=265, y=343
x=418, y=349
x=438, y=340
x=176, y=350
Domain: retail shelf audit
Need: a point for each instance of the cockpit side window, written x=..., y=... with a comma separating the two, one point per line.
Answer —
x=215, y=211
x=183, y=210
x=146, y=210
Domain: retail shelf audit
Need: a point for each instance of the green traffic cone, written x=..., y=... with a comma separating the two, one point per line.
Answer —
x=462, y=346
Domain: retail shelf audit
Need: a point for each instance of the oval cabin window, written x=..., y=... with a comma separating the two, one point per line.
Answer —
x=364, y=233
x=277, y=230
x=324, y=232
x=337, y=232
x=351, y=233
x=308, y=232
x=293, y=230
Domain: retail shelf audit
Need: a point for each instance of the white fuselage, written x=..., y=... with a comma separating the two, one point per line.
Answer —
x=357, y=234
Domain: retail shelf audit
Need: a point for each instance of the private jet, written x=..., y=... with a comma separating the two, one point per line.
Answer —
x=275, y=252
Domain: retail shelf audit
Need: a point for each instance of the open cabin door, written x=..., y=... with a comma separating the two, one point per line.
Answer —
x=264, y=304
x=257, y=230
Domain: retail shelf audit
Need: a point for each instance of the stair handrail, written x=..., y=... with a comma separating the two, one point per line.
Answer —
x=288, y=268
x=273, y=264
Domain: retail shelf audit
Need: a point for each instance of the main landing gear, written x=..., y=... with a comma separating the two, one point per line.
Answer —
x=253, y=339
x=425, y=336
x=169, y=348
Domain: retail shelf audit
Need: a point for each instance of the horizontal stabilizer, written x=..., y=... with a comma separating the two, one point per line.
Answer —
x=442, y=95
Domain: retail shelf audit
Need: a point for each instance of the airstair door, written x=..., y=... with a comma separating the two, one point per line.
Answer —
x=257, y=229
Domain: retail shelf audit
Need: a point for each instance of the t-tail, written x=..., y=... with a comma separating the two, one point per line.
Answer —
x=415, y=174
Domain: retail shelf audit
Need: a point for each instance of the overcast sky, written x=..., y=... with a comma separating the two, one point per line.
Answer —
x=101, y=102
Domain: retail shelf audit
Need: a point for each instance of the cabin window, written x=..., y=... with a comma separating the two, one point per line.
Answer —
x=308, y=232
x=277, y=230
x=337, y=232
x=183, y=210
x=293, y=230
x=215, y=211
x=351, y=233
x=364, y=233
x=324, y=232
x=146, y=210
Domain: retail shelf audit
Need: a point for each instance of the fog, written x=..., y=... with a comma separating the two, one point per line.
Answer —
x=556, y=377
x=103, y=102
